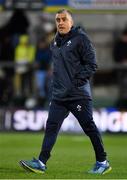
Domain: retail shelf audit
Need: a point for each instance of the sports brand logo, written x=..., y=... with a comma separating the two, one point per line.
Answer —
x=79, y=108
x=55, y=43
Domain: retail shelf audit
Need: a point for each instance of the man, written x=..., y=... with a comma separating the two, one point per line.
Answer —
x=74, y=63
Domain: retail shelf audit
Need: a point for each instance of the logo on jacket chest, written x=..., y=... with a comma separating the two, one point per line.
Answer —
x=79, y=108
x=69, y=43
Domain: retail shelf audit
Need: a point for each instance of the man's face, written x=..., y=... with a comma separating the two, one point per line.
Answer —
x=64, y=22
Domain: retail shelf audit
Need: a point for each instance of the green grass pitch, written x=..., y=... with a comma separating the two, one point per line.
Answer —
x=72, y=156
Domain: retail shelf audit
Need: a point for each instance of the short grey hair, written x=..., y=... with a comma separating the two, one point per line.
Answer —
x=64, y=11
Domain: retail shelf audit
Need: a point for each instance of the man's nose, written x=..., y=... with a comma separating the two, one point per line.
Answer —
x=61, y=21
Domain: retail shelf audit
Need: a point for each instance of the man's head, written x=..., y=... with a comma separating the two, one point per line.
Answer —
x=64, y=21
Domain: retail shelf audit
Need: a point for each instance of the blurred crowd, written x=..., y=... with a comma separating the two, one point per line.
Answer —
x=25, y=66
x=120, y=58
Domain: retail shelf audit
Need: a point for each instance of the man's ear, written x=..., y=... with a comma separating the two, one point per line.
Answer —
x=72, y=22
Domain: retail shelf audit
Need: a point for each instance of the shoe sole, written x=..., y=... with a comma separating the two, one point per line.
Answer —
x=27, y=168
x=24, y=167
x=107, y=170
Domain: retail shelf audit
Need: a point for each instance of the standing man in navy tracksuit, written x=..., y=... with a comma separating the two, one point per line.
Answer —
x=74, y=63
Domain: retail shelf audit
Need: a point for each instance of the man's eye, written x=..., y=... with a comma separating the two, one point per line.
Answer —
x=64, y=19
x=57, y=20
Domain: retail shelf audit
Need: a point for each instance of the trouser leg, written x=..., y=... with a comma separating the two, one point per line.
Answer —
x=82, y=110
x=57, y=113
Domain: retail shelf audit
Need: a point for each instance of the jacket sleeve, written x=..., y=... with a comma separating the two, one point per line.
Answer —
x=87, y=59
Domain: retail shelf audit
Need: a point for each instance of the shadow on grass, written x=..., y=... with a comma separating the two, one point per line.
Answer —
x=13, y=170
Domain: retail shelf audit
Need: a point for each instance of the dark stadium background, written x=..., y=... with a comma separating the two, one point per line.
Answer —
x=24, y=110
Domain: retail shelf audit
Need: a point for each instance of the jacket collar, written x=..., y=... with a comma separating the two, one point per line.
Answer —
x=62, y=39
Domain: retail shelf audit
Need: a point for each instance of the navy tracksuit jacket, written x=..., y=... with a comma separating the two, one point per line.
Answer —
x=74, y=63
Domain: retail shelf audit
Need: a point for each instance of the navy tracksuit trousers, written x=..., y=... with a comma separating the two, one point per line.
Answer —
x=82, y=110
